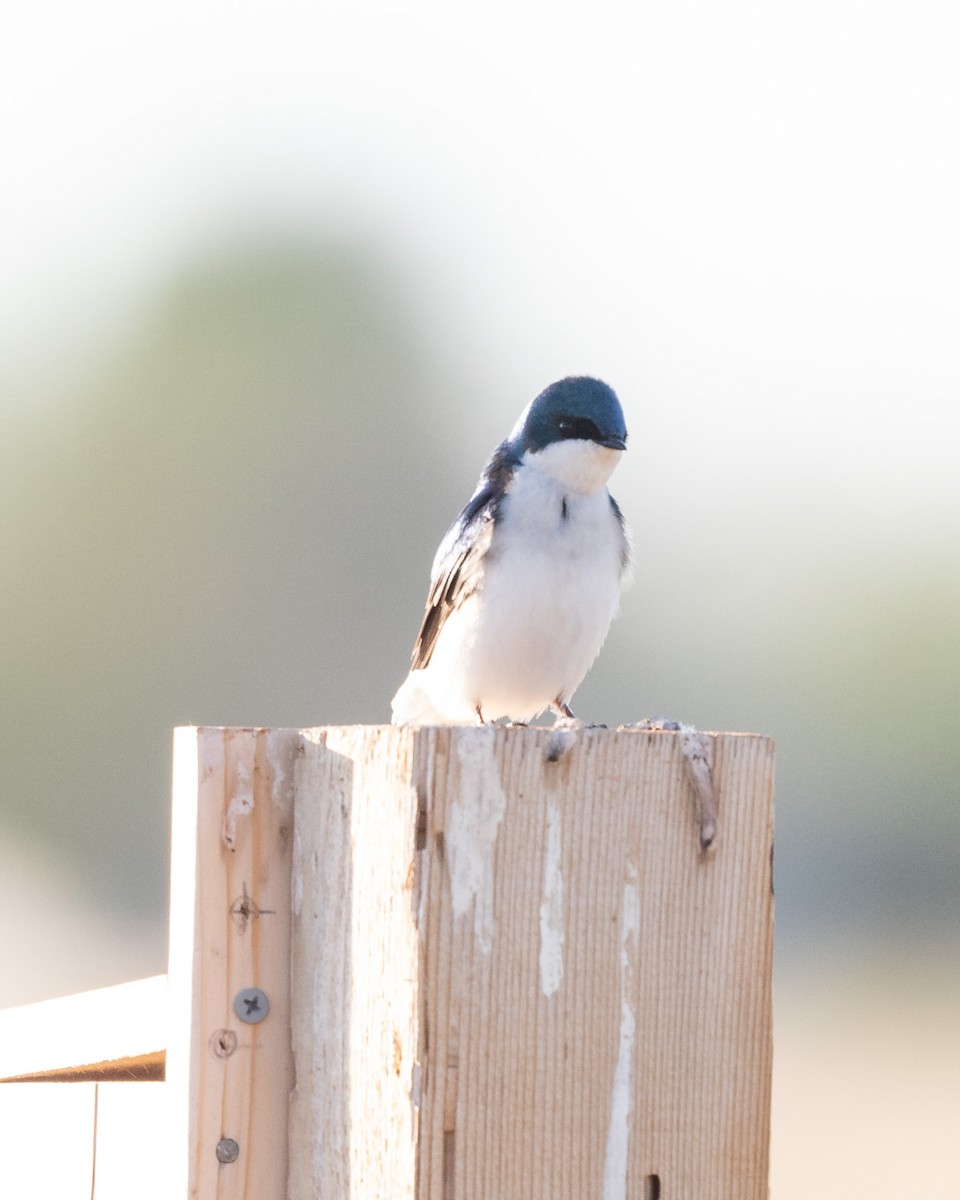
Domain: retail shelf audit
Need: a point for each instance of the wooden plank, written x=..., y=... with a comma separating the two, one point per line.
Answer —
x=230, y=931
x=115, y=1031
x=589, y=1015
x=641, y=1064
x=354, y=967
x=47, y=1140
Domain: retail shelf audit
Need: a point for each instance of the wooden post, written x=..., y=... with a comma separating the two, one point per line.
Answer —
x=229, y=1066
x=515, y=975
x=497, y=964
x=430, y=964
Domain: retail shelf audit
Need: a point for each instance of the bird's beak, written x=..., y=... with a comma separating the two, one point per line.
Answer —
x=614, y=442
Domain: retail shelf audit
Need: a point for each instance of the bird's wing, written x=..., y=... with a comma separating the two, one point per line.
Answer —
x=625, y=546
x=457, y=569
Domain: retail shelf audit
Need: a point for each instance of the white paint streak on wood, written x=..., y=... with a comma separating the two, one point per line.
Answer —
x=621, y=1105
x=474, y=818
x=551, y=906
x=278, y=756
x=241, y=804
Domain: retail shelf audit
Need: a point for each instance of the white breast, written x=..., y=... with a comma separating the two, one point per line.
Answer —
x=551, y=588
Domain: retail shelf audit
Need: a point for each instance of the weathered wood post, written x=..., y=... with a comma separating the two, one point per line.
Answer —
x=512, y=972
x=229, y=1065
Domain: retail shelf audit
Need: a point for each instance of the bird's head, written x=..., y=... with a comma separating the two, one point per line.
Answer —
x=575, y=431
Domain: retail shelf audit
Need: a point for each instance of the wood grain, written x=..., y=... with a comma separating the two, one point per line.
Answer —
x=355, y=967
x=230, y=930
x=497, y=962
x=522, y=937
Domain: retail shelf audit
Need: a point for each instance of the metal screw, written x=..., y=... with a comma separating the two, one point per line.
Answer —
x=251, y=1005
x=227, y=1150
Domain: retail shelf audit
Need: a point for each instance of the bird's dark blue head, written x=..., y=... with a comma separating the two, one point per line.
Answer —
x=574, y=408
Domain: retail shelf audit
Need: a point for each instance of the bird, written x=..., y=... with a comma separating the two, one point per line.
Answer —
x=527, y=580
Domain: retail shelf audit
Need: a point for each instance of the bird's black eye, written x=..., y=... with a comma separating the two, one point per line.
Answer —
x=578, y=427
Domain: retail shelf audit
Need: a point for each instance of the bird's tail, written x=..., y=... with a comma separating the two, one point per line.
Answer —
x=412, y=706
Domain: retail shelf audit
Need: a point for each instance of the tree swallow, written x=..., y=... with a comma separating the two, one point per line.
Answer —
x=527, y=579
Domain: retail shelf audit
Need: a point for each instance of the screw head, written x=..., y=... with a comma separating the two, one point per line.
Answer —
x=227, y=1150
x=251, y=1005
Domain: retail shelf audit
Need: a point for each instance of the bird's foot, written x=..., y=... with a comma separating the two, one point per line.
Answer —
x=563, y=716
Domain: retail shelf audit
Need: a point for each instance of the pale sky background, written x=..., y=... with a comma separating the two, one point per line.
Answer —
x=743, y=217
x=649, y=187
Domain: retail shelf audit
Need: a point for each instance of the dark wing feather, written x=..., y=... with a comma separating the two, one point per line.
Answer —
x=458, y=567
x=624, y=538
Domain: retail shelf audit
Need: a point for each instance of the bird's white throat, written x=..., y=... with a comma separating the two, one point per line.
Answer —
x=577, y=465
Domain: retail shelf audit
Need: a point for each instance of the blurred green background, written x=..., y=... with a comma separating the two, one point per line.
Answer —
x=276, y=280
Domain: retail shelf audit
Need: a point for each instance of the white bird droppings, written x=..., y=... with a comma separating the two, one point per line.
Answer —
x=476, y=811
x=278, y=752
x=551, y=907
x=621, y=1099
x=241, y=803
